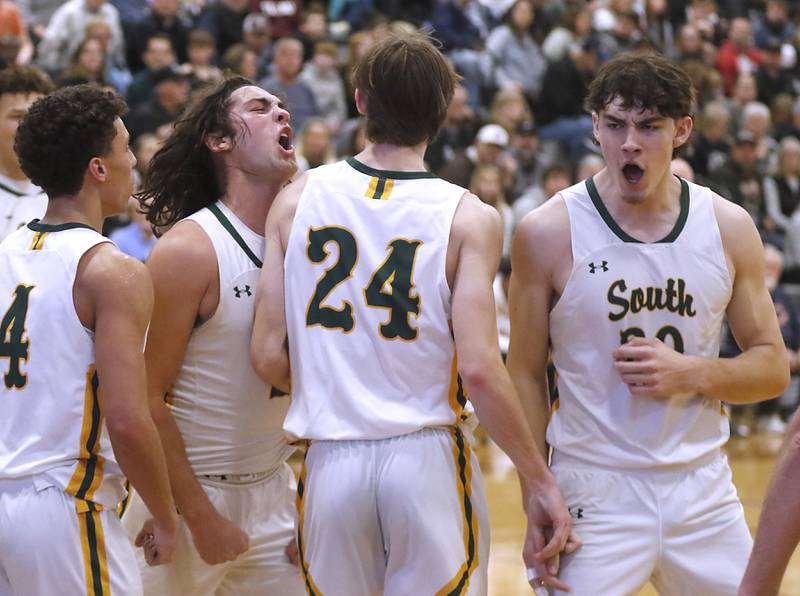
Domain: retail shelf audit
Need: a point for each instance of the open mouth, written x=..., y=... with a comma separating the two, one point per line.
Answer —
x=633, y=173
x=285, y=142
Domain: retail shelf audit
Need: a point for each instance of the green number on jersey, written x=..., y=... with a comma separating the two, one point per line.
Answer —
x=396, y=271
x=326, y=316
x=12, y=328
x=667, y=330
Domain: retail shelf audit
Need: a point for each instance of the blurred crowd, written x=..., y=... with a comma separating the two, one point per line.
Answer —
x=516, y=131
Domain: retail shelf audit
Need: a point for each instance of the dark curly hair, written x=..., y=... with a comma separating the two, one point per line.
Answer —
x=644, y=80
x=63, y=131
x=181, y=178
x=406, y=84
x=24, y=79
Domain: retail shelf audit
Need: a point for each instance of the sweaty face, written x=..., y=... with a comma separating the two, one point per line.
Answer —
x=263, y=142
x=637, y=145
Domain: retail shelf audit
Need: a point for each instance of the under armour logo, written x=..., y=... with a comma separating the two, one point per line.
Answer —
x=576, y=512
x=603, y=266
x=240, y=292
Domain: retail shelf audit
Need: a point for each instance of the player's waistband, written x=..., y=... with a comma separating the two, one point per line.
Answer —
x=248, y=478
x=561, y=459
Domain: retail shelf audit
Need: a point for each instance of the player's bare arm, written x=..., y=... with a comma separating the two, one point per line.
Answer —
x=476, y=235
x=541, y=260
x=268, y=351
x=186, y=289
x=113, y=295
x=760, y=372
x=779, y=525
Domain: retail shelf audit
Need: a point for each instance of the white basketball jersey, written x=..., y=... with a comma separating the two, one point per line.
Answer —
x=368, y=305
x=228, y=421
x=51, y=426
x=677, y=290
x=21, y=201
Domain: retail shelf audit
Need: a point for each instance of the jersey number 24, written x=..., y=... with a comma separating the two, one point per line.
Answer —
x=396, y=271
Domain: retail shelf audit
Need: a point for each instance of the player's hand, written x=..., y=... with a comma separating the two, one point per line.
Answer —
x=549, y=533
x=218, y=540
x=650, y=368
x=292, y=552
x=158, y=541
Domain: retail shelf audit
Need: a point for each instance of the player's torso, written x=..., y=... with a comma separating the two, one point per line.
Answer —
x=675, y=290
x=228, y=420
x=20, y=202
x=52, y=425
x=368, y=304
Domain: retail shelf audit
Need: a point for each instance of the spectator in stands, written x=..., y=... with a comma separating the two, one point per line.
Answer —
x=283, y=15
x=256, y=34
x=516, y=60
x=782, y=189
x=689, y=45
x=136, y=238
x=711, y=141
x=773, y=24
x=313, y=28
x=201, y=52
x=555, y=178
x=744, y=91
x=575, y=25
x=740, y=181
x=738, y=53
x=223, y=19
x=285, y=82
x=457, y=132
x=14, y=31
x=157, y=55
x=488, y=148
x=162, y=16
x=772, y=78
x=67, y=29
x=156, y=115
x=315, y=146
x=487, y=184
x=118, y=76
x=240, y=60
x=658, y=27
x=87, y=64
x=529, y=157
x=322, y=77
x=560, y=113
x=36, y=14
x=757, y=119
x=509, y=109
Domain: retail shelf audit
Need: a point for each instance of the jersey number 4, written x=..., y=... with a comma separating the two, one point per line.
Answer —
x=12, y=330
x=396, y=271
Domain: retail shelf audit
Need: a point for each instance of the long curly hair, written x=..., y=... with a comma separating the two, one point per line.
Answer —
x=182, y=177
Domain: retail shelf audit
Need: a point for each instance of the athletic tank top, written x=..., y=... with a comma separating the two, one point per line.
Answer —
x=228, y=421
x=51, y=427
x=677, y=290
x=21, y=201
x=368, y=305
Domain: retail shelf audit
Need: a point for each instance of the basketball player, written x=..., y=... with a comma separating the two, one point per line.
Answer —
x=75, y=418
x=388, y=275
x=625, y=278
x=779, y=525
x=216, y=176
x=20, y=199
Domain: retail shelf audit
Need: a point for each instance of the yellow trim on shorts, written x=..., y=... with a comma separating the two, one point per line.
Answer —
x=88, y=473
x=311, y=587
x=93, y=545
x=456, y=394
x=463, y=456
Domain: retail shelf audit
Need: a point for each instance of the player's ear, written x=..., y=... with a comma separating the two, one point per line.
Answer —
x=683, y=130
x=361, y=105
x=218, y=143
x=97, y=169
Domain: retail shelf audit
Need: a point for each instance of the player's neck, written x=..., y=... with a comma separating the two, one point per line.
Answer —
x=74, y=209
x=250, y=202
x=383, y=156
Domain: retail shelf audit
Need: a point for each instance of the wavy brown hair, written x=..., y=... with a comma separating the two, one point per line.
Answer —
x=182, y=177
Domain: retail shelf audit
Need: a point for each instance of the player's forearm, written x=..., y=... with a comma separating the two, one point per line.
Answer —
x=190, y=498
x=759, y=373
x=779, y=526
x=501, y=414
x=139, y=454
x=271, y=362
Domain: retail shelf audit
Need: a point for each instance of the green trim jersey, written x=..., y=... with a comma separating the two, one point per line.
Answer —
x=21, y=201
x=228, y=421
x=368, y=305
x=676, y=290
x=52, y=428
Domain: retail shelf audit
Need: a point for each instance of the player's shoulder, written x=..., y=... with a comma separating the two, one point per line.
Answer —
x=548, y=222
x=474, y=218
x=106, y=270
x=736, y=227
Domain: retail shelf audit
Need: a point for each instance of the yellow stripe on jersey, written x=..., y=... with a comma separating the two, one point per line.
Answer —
x=311, y=587
x=88, y=473
x=463, y=456
x=379, y=188
x=123, y=505
x=456, y=394
x=38, y=241
x=93, y=544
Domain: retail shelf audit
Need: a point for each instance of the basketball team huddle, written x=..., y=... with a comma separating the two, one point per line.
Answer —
x=149, y=410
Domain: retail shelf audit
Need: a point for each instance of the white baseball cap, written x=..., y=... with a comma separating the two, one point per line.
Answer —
x=492, y=134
